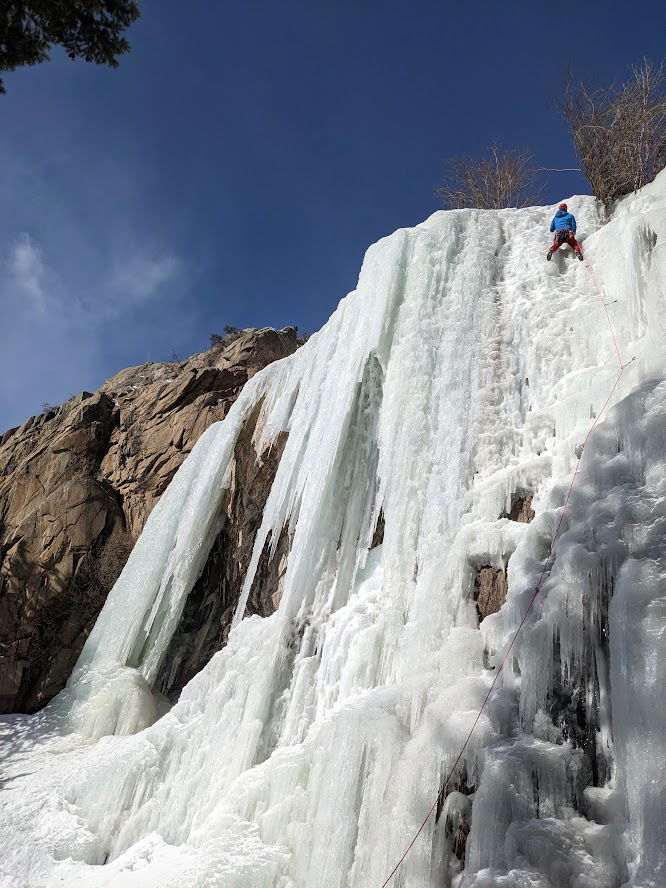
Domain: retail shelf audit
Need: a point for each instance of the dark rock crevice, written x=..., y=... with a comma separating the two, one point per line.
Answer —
x=378, y=535
x=204, y=626
x=455, y=798
x=575, y=700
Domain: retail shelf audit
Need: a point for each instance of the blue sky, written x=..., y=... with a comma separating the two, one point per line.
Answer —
x=237, y=165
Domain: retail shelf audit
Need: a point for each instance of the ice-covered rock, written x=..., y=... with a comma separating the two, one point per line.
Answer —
x=462, y=375
x=77, y=483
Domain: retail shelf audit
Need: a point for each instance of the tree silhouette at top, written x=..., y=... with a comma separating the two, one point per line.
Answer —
x=86, y=29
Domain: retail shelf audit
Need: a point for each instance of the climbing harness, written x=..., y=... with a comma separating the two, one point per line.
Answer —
x=537, y=589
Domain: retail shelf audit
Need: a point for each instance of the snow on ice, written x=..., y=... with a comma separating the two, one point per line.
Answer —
x=463, y=371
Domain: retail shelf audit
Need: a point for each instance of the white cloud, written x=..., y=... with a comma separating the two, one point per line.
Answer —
x=140, y=277
x=28, y=270
x=85, y=286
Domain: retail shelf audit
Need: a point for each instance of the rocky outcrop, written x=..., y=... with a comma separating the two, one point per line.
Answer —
x=490, y=583
x=490, y=588
x=521, y=509
x=77, y=484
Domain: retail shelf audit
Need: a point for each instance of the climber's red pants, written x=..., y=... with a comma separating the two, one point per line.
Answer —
x=565, y=237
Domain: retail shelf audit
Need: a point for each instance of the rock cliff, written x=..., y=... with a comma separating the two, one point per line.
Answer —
x=76, y=486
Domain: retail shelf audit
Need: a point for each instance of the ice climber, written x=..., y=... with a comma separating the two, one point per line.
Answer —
x=564, y=226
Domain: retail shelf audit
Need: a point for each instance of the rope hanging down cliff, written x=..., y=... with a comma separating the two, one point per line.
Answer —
x=537, y=589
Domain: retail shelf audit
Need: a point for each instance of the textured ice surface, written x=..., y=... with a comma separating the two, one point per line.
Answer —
x=464, y=369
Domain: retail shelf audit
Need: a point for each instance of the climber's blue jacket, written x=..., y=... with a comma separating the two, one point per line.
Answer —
x=563, y=219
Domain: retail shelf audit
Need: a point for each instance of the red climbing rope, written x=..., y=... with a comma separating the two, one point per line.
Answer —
x=603, y=302
x=537, y=588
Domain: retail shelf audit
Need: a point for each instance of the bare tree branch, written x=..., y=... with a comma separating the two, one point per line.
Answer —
x=619, y=132
x=503, y=178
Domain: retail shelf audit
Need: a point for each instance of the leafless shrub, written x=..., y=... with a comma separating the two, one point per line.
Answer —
x=502, y=178
x=112, y=559
x=230, y=333
x=301, y=336
x=619, y=132
x=100, y=568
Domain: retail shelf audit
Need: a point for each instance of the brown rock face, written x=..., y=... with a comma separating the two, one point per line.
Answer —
x=490, y=584
x=490, y=587
x=76, y=486
x=521, y=509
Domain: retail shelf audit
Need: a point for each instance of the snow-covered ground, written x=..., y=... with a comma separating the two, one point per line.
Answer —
x=463, y=370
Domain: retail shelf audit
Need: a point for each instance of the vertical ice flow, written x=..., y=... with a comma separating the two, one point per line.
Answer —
x=461, y=373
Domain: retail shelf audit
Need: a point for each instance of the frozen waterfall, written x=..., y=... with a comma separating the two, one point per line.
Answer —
x=461, y=374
